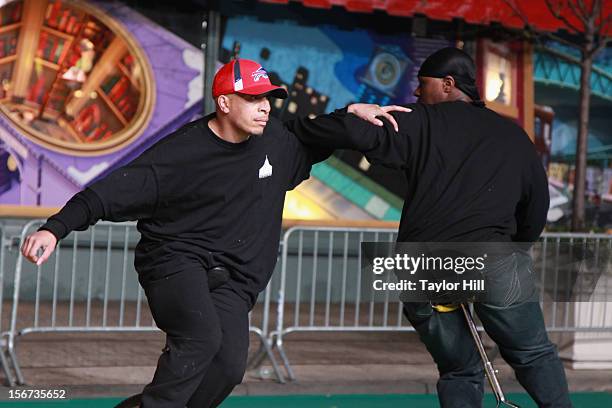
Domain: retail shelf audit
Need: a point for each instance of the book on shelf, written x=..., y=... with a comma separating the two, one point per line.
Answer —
x=63, y=20
x=6, y=76
x=50, y=48
x=8, y=46
x=86, y=125
x=98, y=133
x=17, y=11
x=46, y=51
x=13, y=46
x=110, y=83
x=122, y=103
x=88, y=119
x=128, y=62
x=53, y=51
x=41, y=43
x=106, y=135
x=48, y=12
x=45, y=46
x=11, y=13
x=128, y=110
x=119, y=89
x=59, y=52
x=72, y=22
x=77, y=28
x=37, y=91
x=68, y=52
x=53, y=14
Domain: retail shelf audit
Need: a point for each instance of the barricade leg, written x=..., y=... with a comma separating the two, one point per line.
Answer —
x=14, y=361
x=281, y=352
x=5, y=365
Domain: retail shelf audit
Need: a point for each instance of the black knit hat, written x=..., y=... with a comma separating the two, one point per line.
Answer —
x=456, y=63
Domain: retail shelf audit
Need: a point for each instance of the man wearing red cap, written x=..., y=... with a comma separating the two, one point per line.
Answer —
x=208, y=199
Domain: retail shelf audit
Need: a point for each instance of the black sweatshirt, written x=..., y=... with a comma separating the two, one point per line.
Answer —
x=200, y=199
x=472, y=175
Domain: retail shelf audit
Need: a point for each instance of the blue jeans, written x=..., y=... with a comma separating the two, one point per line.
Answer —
x=513, y=320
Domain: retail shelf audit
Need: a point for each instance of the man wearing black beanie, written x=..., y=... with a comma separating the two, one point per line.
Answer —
x=472, y=176
x=449, y=64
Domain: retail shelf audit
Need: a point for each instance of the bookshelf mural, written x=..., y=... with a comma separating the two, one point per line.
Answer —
x=85, y=86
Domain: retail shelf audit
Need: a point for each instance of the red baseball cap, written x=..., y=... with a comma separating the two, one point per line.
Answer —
x=246, y=77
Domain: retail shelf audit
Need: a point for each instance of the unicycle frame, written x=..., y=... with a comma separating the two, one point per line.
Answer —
x=490, y=372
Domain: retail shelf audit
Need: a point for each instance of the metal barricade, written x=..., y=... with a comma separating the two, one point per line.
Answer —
x=322, y=289
x=4, y=243
x=586, y=314
x=89, y=285
x=323, y=262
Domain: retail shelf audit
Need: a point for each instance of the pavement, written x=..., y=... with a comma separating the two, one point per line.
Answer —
x=120, y=364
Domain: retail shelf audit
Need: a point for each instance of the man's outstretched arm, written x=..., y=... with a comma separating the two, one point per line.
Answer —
x=323, y=135
x=82, y=210
x=329, y=130
x=128, y=193
x=370, y=129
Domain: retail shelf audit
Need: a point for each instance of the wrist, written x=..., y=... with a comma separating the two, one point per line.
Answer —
x=55, y=228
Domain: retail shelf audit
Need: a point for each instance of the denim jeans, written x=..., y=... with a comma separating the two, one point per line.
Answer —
x=513, y=320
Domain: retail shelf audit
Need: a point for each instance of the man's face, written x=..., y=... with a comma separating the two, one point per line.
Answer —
x=249, y=113
x=430, y=90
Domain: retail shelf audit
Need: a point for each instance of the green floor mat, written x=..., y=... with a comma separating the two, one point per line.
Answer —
x=581, y=400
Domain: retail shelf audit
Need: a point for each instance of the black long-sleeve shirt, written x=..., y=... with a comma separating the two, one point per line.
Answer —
x=472, y=175
x=200, y=199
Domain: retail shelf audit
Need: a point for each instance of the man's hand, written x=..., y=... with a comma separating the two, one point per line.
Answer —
x=39, y=240
x=369, y=113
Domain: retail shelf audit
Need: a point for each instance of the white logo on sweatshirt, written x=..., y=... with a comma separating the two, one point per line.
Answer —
x=266, y=169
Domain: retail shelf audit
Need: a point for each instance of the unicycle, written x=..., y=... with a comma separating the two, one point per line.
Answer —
x=217, y=276
x=490, y=372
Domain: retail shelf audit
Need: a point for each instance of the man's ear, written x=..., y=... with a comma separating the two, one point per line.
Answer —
x=448, y=83
x=223, y=103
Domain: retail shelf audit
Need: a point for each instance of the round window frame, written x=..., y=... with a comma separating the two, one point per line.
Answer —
x=133, y=129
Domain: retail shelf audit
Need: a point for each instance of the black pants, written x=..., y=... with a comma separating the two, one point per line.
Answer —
x=207, y=339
